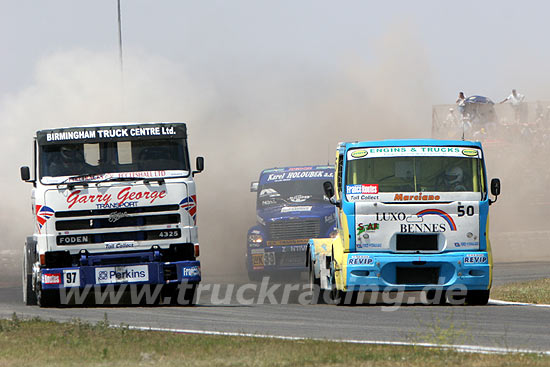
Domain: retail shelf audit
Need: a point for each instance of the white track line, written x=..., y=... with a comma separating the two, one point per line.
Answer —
x=455, y=347
x=509, y=303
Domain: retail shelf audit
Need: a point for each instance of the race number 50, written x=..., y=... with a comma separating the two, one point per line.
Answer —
x=468, y=210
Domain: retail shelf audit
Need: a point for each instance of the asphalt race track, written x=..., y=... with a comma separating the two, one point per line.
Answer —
x=504, y=326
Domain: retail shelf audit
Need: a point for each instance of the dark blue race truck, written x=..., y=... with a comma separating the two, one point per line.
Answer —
x=291, y=207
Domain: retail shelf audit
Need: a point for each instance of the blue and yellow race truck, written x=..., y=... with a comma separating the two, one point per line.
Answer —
x=412, y=215
x=291, y=208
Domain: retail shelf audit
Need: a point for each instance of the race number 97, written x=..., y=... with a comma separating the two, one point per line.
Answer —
x=71, y=278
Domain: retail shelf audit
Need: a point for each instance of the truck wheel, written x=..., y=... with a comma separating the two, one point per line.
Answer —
x=477, y=298
x=255, y=276
x=48, y=298
x=29, y=296
x=190, y=296
x=318, y=295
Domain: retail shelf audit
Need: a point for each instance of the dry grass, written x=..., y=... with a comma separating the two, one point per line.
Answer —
x=534, y=291
x=47, y=343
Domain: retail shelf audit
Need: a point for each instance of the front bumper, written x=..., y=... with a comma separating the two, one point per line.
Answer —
x=415, y=272
x=138, y=273
x=277, y=258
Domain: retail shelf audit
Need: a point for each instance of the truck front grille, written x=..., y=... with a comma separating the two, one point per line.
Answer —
x=117, y=225
x=294, y=229
x=114, y=221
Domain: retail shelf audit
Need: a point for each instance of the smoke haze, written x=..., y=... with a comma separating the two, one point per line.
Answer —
x=249, y=121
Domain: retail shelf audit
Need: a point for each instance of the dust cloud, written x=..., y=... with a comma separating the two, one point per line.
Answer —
x=240, y=125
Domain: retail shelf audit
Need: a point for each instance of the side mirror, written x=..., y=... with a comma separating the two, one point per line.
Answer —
x=254, y=186
x=25, y=173
x=199, y=165
x=329, y=189
x=495, y=189
x=329, y=192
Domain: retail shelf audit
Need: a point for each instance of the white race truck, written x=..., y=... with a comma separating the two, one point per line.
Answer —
x=114, y=206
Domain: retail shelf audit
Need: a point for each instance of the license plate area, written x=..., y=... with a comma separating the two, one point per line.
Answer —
x=409, y=275
x=416, y=242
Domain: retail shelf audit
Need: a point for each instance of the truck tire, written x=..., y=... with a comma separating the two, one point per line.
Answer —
x=318, y=296
x=477, y=298
x=48, y=298
x=29, y=257
x=255, y=276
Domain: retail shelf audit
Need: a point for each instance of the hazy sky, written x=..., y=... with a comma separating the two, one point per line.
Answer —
x=481, y=47
x=262, y=84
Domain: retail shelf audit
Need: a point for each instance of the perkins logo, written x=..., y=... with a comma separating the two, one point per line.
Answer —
x=360, y=260
x=193, y=271
x=122, y=274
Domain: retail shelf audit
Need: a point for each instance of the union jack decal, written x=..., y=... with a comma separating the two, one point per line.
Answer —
x=190, y=204
x=43, y=213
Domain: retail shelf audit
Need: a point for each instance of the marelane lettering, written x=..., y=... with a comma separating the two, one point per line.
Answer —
x=111, y=133
x=416, y=197
x=124, y=195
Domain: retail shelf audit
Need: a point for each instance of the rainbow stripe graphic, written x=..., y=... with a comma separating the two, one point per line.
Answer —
x=441, y=213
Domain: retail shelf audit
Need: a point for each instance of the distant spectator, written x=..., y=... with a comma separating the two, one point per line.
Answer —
x=516, y=100
x=461, y=103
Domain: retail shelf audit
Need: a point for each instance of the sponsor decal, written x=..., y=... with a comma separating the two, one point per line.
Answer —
x=122, y=274
x=416, y=197
x=415, y=228
x=406, y=152
x=43, y=213
x=114, y=175
x=190, y=205
x=299, y=198
x=297, y=175
x=330, y=218
x=110, y=133
x=470, y=152
x=362, y=197
x=440, y=213
x=51, y=278
x=360, y=260
x=115, y=245
x=287, y=209
x=297, y=241
x=466, y=244
x=368, y=245
x=73, y=240
x=390, y=216
x=362, y=189
x=125, y=197
x=359, y=153
x=361, y=227
x=475, y=259
x=115, y=216
x=191, y=271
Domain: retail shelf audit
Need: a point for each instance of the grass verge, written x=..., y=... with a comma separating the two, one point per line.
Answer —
x=533, y=291
x=37, y=342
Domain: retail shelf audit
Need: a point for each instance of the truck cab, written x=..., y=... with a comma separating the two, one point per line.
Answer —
x=291, y=208
x=113, y=205
x=411, y=215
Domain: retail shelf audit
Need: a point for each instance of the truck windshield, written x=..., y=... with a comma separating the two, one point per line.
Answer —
x=415, y=174
x=75, y=159
x=291, y=193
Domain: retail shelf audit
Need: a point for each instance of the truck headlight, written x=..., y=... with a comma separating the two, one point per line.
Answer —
x=255, y=239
